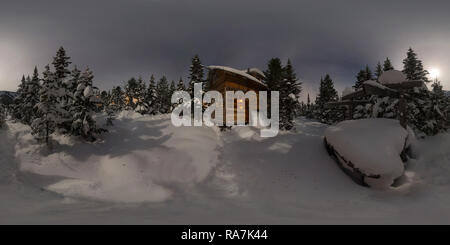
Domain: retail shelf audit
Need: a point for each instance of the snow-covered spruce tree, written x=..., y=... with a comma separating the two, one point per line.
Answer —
x=72, y=82
x=30, y=97
x=61, y=63
x=47, y=108
x=413, y=68
x=131, y=88
x=378, y=106
x=83, y=108
x=150, y=97
x=196, y=75
x=180, y=85
x=17, y=112
x=139, y=97
x=387, y=65
x=289, y=94
x=274, y=77
x=362, y=76
x=117, y=100
x=162, y=96
x=378, y=70
x=327, y=93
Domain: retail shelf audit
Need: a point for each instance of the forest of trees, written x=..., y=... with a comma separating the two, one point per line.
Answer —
x=429, y=111
x=64, y=99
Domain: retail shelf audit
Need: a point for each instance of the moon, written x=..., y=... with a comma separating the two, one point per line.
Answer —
x=434, y=73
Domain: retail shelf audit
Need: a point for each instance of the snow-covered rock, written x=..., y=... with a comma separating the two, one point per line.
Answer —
x=392, y=76
x=371, y=146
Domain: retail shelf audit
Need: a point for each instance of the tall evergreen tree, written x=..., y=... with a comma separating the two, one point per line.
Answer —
x=61, y=65
x=289, y=97
x=327, y=93
x=413, y=68
x=30, y=98
x=18, y=100
x=274, y=74
x=47, y=107
x=387, y=65
x=196, y=74
x=378, y=70
x=117, y=100
x=362, y=76
x=162, y=93
x=180, y=85
x=150, y=97
x=131, y=88
x=139, y=96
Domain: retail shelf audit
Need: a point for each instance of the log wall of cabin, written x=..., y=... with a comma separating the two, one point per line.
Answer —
x=223, y=81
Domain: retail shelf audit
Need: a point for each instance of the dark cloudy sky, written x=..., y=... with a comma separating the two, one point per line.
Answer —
x=119, y=39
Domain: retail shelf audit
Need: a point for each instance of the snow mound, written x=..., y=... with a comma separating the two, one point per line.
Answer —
x=141, y=159
x=392, y=76
x=373, y=146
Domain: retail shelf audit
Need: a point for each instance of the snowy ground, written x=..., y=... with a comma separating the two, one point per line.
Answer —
x=147, y=171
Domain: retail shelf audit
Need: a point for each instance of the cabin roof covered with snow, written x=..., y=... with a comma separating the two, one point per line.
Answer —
x=238, y=72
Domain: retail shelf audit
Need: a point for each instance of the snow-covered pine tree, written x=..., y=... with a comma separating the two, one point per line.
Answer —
x=162, y=95
x=139, y=97
x=117, y=100
x=274, y=74
x=378, y=70
x=47, y=107
x=150, y=97
x=289, y=94
x=30, y=97
x=387, y=65
x=196, y=75
x=61, y=64
x=413, y=68
x=362, y=76
x=180, y=85
x=131, y=88
x=72, y=82
x=327, y=93
x=83, y=108
x=274, y=77
x=17, y=112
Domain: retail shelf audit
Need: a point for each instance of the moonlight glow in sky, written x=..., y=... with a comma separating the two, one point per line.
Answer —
x=120, y=39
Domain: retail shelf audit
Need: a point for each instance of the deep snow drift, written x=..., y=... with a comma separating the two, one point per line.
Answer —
x=147, y=171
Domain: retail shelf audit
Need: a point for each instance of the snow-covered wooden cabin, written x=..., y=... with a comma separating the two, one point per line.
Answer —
x=222, y=79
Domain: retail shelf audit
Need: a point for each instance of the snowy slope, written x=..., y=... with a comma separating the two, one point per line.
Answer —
x=200, y=176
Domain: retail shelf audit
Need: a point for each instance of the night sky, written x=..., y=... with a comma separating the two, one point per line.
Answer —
x=120, y=39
